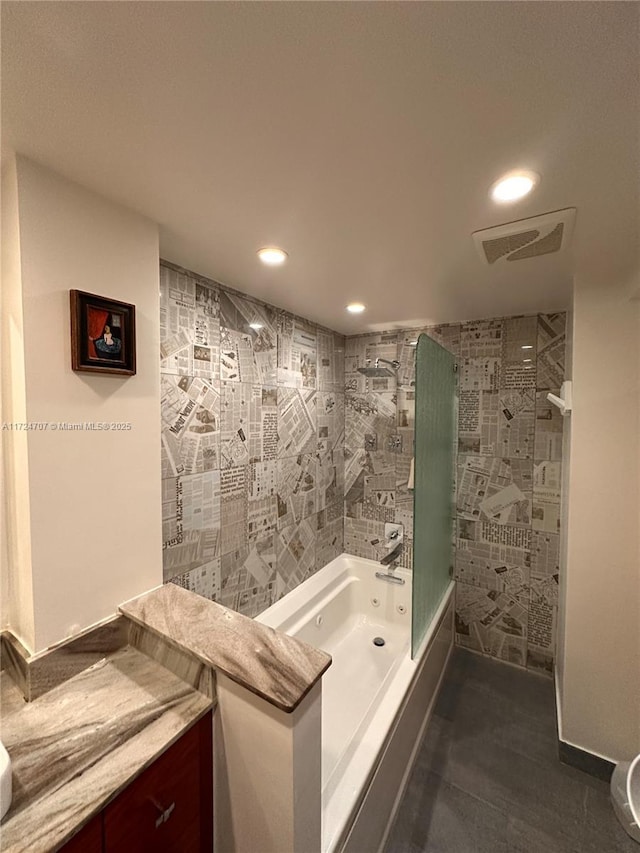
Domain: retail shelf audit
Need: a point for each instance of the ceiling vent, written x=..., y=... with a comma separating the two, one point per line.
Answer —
x=527, y=238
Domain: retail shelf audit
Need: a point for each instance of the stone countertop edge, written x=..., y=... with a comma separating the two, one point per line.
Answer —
x=278, y=668
x=114, y=739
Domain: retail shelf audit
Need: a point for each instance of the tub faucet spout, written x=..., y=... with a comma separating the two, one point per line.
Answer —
x=390, y=562
x=392, y=555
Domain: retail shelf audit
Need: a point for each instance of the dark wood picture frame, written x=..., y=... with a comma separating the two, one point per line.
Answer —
x=103, y=334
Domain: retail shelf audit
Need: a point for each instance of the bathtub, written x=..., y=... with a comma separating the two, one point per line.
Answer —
x=376, y=701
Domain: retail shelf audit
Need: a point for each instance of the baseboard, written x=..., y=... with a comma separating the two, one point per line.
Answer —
x=589, y=763
x=574, y=756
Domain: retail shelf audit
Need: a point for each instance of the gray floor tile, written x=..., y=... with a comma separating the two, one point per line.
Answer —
x=602, y=831
x=524, y=838
x=443, y=819
x=486, y=679
x=503, y=723
x=487, y=776
x=514, y=784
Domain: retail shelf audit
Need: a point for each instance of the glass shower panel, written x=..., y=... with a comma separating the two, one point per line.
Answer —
x=435, y=424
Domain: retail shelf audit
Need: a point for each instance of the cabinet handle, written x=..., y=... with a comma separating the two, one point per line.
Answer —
x=164, y=814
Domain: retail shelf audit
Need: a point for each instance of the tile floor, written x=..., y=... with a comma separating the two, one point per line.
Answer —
x=487, y=778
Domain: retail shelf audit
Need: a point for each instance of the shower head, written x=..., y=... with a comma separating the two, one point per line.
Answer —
x=375, y=371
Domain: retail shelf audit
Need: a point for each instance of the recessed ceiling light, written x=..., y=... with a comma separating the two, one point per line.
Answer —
x=527, y=346
x=513, y=186
x=355, y=307
x=272, y=255
x=255, y=326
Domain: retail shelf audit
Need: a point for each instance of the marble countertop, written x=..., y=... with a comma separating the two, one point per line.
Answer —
x=77, y=746
x=279, y=668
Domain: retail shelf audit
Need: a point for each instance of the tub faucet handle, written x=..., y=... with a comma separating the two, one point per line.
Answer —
x=393, y=533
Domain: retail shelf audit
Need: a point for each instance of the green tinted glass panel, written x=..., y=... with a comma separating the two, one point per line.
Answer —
x=433, y=482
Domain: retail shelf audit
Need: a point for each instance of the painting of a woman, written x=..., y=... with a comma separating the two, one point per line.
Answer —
x=103, y=334
x=108, y=346
x=103, y=338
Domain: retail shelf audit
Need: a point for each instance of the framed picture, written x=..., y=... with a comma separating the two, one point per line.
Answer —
x=103, y=334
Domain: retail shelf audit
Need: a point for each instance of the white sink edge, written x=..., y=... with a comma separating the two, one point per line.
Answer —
x=5, y=781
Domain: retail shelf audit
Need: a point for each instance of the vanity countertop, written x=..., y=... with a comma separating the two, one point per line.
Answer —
x=76, y=747
x=278, y=668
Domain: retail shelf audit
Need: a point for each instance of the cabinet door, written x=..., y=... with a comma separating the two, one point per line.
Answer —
x=88, y=840
x=168, y=808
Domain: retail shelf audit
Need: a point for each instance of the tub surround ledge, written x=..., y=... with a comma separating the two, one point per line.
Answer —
x=273, y=665
x=76, y=747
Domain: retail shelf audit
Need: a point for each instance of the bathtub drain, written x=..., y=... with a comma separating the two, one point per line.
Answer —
x=378, y=641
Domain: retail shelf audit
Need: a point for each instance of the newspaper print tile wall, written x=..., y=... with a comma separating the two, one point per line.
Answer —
x=364, y=537
x=446, y=336
x=329, y=452
x=329, y=420
x=262, y=498
x=491, y=489
x=189, y=324
x=508, y=490
x=248, y=576
x=248, y=340
x=494, y=623
x=224, y=384
x=238, y=402
x=248, y=423
x=480, y=355
x=297, y=422
x=522, y=426
x=296, y=488
x=204, y=580
x=551, y=351
x=234, y=507
x=543, y=607
x=362, y=351
x=190, y=521
x=518, y=342
x=190, y=425
x=329, y=534
x=547, y=477
x=370, y=454
x=548, y=430
x=297, y=352
x=295, y=555
x=331, y=348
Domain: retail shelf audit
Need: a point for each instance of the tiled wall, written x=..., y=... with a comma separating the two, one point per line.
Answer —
x=379, y=427
x=252, y=443
x=508, y=473
x=266, y=429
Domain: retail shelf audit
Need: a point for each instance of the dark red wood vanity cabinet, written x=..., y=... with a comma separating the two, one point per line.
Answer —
x=88, y=840
x=169, y=807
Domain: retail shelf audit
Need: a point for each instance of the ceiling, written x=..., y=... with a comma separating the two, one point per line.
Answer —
x=361, y=137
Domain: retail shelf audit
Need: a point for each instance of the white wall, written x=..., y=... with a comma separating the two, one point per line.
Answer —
x=94, y=497
x=15, y=544
x=564, y=521
x=268, y=765
x=600, y=672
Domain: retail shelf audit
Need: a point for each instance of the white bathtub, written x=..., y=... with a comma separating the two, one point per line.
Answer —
x=376, y=701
